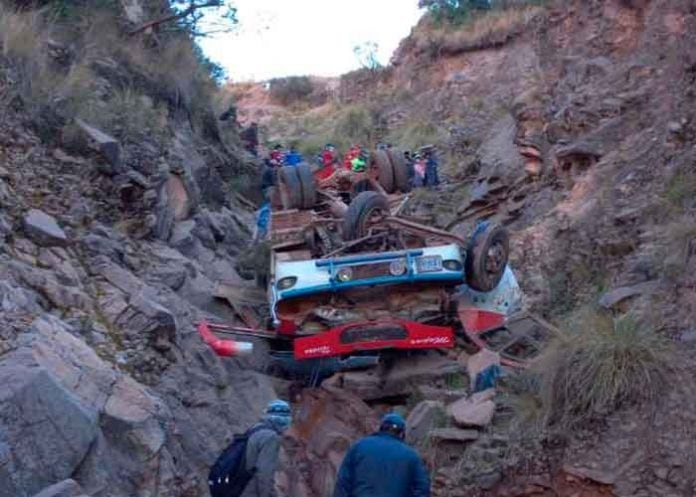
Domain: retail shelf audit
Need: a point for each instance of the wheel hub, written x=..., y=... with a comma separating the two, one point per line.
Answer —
x=495, y=258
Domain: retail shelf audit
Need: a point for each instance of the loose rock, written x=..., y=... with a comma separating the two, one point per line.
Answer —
x=477, y=410
x=43, y=229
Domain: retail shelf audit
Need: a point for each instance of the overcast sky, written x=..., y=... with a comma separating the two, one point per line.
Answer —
x=278, y=38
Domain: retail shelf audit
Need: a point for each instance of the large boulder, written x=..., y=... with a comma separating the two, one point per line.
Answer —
x=422, y=419
x=43, y=229
x=475, y=411
x=46, y=428
x=68, y=414
x=326, y=422
x=66, y=488
x=401, y=379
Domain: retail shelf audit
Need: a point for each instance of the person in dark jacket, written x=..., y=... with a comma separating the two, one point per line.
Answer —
x=382, y=465
x=432, y=178
x=263, y=449
x=250, y=138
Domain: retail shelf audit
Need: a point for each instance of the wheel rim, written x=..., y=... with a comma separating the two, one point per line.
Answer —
x=371, y=218
x=494, y=261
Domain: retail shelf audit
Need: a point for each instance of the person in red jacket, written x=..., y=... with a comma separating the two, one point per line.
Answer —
x=328, y=161
x=353, y=152
x=276, y=155
x=328, y=156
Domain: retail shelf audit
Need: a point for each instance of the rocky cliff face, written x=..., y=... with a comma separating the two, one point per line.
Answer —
x=109, y=250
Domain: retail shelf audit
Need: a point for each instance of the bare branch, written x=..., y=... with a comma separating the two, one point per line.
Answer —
x=174, y=17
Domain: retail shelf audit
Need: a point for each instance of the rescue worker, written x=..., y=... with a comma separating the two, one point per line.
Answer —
x=263, y=448
x=382, y=465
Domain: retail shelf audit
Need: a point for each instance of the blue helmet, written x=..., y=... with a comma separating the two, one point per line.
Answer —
x=393, y=422
x=279, y=414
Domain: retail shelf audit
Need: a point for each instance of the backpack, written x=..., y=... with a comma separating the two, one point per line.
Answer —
x=229, y=477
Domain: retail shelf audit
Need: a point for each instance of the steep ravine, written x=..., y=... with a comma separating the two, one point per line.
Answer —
x=578, y=132
x=106, y=382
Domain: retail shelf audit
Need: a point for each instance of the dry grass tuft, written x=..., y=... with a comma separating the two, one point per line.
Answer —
x=606, y=363
x=20, y=35
x=679, y=245
x=483, y=30
x=22, y=40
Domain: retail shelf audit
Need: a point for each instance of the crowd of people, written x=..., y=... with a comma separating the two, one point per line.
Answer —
x=422, y=170
x=381, y=464
x=422, y=165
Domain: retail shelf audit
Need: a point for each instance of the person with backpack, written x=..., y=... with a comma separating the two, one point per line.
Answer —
x=383, y=465
x=247, y=467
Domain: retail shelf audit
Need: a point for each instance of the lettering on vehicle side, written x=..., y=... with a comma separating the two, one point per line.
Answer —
x=430, y=341
x=324, y=349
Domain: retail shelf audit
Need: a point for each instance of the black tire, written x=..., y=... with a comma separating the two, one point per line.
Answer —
x=290, y=187
x=401, y=175
x=360, y=211
x=308, y=184
x=385, y=171
x=487, y=257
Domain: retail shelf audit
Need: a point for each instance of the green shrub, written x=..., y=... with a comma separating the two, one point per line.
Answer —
x=291, y=89
x=417, y=133
x=456, y=12
x=356, y=124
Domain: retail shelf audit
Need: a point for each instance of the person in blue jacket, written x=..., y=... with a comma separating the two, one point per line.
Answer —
x=293, y=157
x=263, y=221
x=382, y=465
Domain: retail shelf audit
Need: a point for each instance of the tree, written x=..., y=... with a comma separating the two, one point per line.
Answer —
x=367, y=55
x=197, y=17
x=454, y=11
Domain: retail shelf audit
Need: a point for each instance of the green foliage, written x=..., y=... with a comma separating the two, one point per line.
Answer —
x=357, y=125
x=215, y=70
x=366, y=54
x=456, y=381
x=454, y=11
x=128, y=115
x=681, y=188
x=416, y=133
x=201, y=18
x=69, y=10
x=458, y=12
x=291, y=89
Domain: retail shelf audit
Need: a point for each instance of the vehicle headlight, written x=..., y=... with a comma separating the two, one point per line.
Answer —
x=344, y=274
x=452, y=265
x=285, y=283
x=397, y=268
